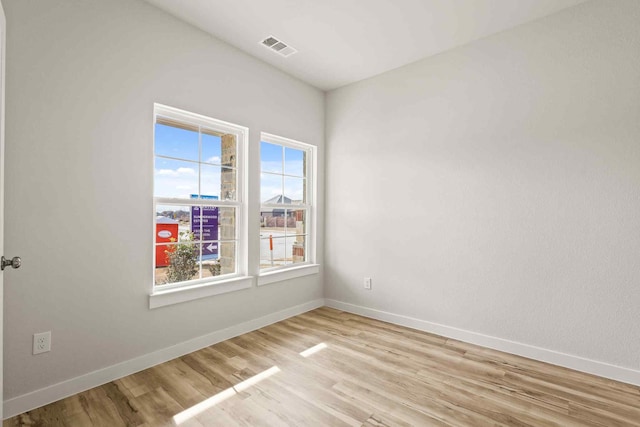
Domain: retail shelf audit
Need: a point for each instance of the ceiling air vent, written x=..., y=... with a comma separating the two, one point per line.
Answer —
x=278, y=46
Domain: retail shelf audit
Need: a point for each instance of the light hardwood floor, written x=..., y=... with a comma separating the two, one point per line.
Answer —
x=364, y=373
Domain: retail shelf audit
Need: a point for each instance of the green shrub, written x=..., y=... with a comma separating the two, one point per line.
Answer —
x=183, y=259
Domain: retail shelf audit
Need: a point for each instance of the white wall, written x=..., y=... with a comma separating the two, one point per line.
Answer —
x=495, y=188
x=82, y=77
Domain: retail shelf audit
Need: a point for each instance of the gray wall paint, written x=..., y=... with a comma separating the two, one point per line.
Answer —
x=496, y=187
x=82, y=77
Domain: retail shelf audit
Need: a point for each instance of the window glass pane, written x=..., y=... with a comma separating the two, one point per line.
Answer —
x=287, y=251
x=227, y=224
x=204, y=223
x=175, y=178
x=171, y=220
x=296, y=222
x=173, y=231
x=272, y=220
x=178, y=215
x=229, y=150
x=271, y=157
x=160, y=275
x=210, y=179
x=294, y=162
x=294, y=248
x=175, y=142
x=182, y=263
x=228, y=184
x=271, y=190
x=265, y=253
x=166, y=232
x=211, y=149
x=211, y=267
x=298, y=248
x=227, y=257
x=294, y=190
x=272, y=249
x=222, y=262
x=217, y=183
x=215, y=223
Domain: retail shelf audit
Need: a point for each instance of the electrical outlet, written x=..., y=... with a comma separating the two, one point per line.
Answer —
x=41, y=342
x=367, y=283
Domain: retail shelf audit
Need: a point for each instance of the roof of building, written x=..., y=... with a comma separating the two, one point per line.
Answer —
x=280, y=199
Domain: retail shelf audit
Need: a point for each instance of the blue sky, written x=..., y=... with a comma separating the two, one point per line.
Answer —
x=281, y=161
x=182, y=176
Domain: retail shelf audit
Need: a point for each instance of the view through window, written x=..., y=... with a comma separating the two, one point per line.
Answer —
x=286, y=201
x=196, y=198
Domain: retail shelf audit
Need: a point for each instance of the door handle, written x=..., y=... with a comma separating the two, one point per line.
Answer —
x=14, y=262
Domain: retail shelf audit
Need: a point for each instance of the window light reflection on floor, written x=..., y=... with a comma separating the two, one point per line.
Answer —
x=311, y=350
x=223, y=395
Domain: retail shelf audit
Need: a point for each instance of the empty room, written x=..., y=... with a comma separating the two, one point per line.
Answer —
x=320, y=213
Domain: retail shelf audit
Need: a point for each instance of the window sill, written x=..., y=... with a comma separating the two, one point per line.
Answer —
x=289, y=273
x=161, y=298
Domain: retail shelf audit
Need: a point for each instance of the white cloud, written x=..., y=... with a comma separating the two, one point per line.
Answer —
x=181, y=182
x=186, y=171
x=176, y=172
x=166, y=172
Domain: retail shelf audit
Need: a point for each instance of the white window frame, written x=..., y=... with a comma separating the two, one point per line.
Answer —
x=309, y=266
x=197, y=288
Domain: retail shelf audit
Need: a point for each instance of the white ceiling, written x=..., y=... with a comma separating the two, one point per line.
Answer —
x=344, y=41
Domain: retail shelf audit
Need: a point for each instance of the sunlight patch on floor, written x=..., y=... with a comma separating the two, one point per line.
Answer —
x=311, y=350
x=193, y=411
x=256, y=379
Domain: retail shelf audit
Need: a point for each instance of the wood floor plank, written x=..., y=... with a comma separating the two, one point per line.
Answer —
x=363, y=372
x=158, y=407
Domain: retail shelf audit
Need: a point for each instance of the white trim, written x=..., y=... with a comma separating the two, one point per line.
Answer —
x=44, y=396
x=577, y=363
x=286, y=274
x=3, y=94
x=287, y=142
x=197, y=119
x=176, y=295
x=198, y=202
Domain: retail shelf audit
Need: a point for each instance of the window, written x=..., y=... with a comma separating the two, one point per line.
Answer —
x=198, y=199
x=287, y=198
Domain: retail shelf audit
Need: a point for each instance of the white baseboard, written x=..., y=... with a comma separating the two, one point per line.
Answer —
x=44, y=396
x=601, y=369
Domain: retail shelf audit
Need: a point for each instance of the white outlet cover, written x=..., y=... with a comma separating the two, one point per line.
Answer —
x=42, y=342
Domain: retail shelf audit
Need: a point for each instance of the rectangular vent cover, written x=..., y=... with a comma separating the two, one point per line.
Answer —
x=278, y=46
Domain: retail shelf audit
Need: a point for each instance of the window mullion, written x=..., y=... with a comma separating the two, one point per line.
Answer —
x=196, y=202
